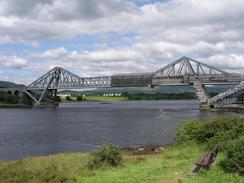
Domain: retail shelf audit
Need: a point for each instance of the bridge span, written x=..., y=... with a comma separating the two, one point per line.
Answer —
x=184, y=71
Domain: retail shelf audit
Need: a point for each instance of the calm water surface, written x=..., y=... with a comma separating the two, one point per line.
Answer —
x=75, y=127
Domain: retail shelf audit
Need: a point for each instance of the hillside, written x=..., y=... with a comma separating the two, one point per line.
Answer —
x=146, y=90
x=7, y=84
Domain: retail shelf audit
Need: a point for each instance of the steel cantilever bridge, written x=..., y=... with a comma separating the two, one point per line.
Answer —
x=184, y=71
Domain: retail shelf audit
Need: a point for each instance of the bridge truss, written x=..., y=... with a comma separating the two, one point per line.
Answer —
x=59, y=78
x=185, y=66
x=183, y=71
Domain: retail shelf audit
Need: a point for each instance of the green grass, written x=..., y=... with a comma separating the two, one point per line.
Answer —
x=172, y=166
x=106, y=99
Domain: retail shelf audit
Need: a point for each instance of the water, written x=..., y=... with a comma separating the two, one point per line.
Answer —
x=81, y=127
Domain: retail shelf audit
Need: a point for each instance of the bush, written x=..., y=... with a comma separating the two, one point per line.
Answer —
x=10, y=99
x=212, y=132
x=222, y=137
x=107, y=155
x=57, y=99
x=213, y=126
x=79, y=98
x=234, y=161
x=188, y=131
x=67, y=98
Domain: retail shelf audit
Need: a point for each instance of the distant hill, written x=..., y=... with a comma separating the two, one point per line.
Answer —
x=6, y=84
x=100, y=91
x=145, y=90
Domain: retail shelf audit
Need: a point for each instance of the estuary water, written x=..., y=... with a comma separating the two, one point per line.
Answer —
x=82, y=127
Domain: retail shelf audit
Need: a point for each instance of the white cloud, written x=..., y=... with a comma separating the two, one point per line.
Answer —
x=210, y=31
x=12, y=61
x=180, y=20
x=140, y=57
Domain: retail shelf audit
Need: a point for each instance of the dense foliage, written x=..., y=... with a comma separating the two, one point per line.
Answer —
x=8, y=98
x=161, y=96
x=188, y=131
x=68, y=98
x=57, y=99
x=216, y=130
x=79, y=98
x=107, y=155
x=226, y=131
x=234, y=162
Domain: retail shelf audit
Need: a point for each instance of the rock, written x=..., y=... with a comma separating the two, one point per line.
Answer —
x=140, y=149
x=161, y=148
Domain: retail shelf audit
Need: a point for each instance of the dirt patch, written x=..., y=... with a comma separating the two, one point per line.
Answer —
x=143, y=150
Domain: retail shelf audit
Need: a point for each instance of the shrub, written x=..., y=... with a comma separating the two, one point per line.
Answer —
x=57, y=99
x=222, y=137
x=234, y=161
x=67, y=98
x=11, y=99
x=8, y=98
x=107, y=155
x=188, y=131
x=213, y=126
x=212, y=132
x=79, y=98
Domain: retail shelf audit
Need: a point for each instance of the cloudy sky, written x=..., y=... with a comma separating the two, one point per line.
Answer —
x=101, y=37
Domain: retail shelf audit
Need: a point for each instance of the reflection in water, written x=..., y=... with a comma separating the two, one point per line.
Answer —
x=85, y=126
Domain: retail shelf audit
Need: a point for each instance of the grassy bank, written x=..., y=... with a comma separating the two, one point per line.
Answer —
x=106, y=99
x=171, y=166
x=125, y=96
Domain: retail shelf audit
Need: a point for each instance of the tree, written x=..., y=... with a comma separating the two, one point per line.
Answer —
x=79, y=98
x=67, y=97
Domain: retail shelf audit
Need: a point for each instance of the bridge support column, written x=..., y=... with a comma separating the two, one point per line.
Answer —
x=46, y=98
x=54, y=98
x=204, y=106
x=202, y=95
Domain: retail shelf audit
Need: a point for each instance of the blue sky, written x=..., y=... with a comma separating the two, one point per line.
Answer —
x=103, y=37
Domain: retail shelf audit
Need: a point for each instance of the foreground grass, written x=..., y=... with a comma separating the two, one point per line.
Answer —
x=172, y=166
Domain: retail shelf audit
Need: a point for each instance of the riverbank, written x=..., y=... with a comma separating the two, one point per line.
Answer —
x=171, y=165
x=136, y=96
x=3, y=105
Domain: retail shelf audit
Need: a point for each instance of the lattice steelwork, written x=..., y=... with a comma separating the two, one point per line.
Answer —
x=59, y=78
x=187, y=67
x=183, y=71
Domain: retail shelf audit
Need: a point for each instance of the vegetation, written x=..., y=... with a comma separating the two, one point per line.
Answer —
x=226, y=131
x=126, y=96
x=106, y=98
x=161, y=96
x=6, y=84
x=172, y=166
x=234, y=162
x=79, y=98
x=8, y=98
x=211, y=132
x=68, y=98
x=107, y=155
x=111, y=165
x=57, y=99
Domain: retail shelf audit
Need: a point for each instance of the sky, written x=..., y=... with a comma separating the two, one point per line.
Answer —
x=104, y=37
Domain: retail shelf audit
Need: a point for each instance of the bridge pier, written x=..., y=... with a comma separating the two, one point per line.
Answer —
x=204, y=107
x=45, y=98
